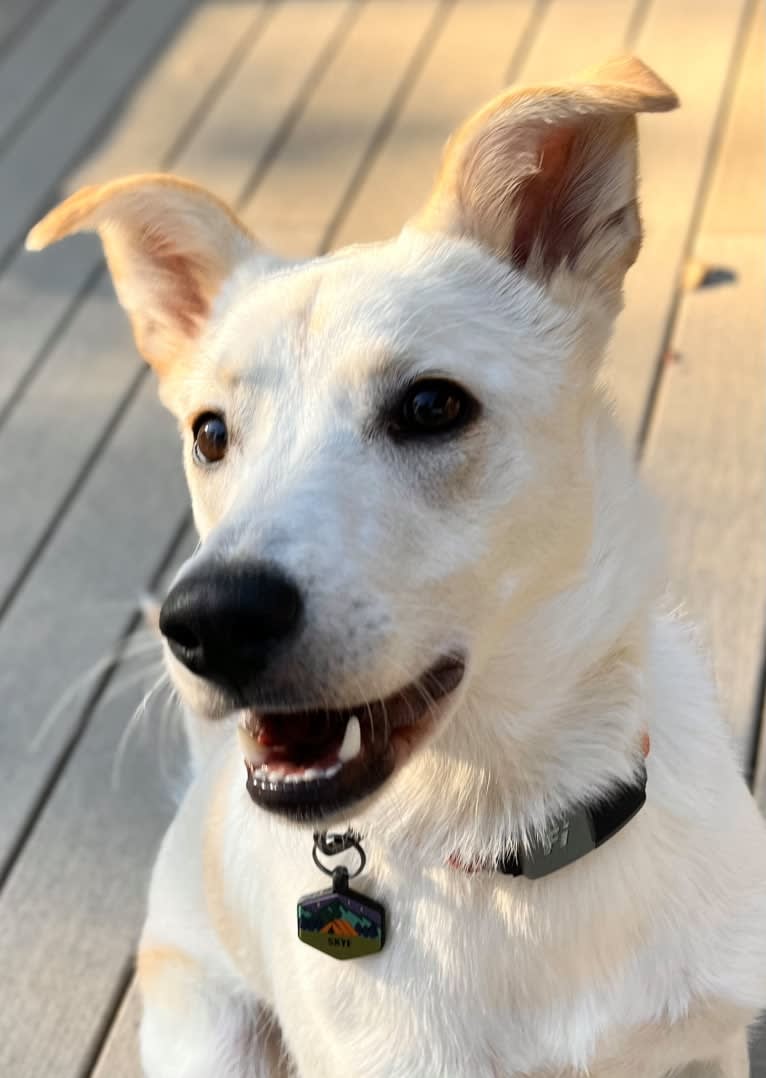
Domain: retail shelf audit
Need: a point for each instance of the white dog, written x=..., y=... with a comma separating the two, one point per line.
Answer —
x=429, y=594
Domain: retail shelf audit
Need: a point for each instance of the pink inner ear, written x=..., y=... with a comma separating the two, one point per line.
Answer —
x=544, y=222
x=184, y=300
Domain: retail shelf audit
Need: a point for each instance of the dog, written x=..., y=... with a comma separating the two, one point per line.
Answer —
x=428, y=612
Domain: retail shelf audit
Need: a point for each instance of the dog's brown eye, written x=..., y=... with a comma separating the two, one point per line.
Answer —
x=432, y=406
x=210, y=438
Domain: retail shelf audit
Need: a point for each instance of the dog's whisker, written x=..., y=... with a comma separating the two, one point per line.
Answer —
x=132, y=725
x=168, y=733
x=371, y=717
x=79, y=686
x=130, y=606
x=128, y=681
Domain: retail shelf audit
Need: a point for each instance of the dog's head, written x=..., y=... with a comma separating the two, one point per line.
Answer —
x=386, y=447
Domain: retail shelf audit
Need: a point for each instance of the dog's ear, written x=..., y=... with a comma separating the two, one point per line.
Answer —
x=169, y=244
x=547, y=175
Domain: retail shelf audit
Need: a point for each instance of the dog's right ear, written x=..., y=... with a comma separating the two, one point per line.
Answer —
x=545, y=177
x=169, y=244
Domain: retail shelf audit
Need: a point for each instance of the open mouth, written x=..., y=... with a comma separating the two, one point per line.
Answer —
x=307, y=764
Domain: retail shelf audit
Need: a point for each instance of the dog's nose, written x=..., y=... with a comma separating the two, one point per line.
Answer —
x=224, y=623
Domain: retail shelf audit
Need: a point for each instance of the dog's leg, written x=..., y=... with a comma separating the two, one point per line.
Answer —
x=195, y=1027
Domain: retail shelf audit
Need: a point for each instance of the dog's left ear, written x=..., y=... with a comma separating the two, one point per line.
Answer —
x=546, y=176
x=170, y=245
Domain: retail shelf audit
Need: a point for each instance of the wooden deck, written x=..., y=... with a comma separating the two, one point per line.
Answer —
x=322, y=121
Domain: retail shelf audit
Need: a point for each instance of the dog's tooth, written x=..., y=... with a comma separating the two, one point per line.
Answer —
x=352, y=741
x=254, y=753
x=245, y=719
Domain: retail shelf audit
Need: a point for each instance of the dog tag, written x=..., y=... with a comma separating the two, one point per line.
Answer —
x=341, y=922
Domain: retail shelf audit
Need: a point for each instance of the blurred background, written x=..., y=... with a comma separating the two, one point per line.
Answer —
x=321, y=121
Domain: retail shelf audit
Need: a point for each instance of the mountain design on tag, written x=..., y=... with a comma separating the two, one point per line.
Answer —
x=341, y=925
x=337, y=912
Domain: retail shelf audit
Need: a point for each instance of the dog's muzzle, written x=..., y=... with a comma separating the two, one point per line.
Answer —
x=230, y=625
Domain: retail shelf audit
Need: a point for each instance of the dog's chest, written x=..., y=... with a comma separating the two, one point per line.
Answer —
x=468, y=971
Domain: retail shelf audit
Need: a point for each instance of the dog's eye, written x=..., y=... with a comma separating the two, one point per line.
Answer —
x=432, y=406
x=210, y=438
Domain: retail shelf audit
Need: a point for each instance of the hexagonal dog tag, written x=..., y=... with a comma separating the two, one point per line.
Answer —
x=340, y=922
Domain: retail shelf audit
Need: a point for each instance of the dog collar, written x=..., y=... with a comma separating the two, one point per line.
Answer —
x=582, y=830
x=572, y=836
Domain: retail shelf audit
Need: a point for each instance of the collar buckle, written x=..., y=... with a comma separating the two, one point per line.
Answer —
x=567, y=842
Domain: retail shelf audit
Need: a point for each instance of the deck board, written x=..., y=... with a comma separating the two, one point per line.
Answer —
x=83, y=954
x=106, y=549
x=34, y=162
x=711, y=408
x=736, y=202
x=674, y=151
x=704, y=453
x=38, y=295
x=57, y=427
x=290, y=56
x=565, y=42
x=54, y=42
x=323, y=120
x=119, y=1058
x=16, y=18
x=290, y=212
x=467, y=64
x=737, y=210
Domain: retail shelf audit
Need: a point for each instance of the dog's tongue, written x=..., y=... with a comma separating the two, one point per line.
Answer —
x=300, y=740
x=303, y=727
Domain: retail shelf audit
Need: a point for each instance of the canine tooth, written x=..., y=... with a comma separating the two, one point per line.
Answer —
x=352, y=741
x=254, y=753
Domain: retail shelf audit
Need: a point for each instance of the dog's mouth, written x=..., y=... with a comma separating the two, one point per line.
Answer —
x=311, y=763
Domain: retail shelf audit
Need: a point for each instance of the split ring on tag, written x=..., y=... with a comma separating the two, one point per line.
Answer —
x=331, y=844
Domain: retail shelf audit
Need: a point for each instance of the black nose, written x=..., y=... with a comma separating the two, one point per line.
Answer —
x=224, y=623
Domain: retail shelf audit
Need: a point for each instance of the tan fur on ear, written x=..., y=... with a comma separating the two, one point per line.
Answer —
x=546, y=175
x=169, y=245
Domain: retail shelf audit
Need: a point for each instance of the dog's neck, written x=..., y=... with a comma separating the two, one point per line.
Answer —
x=557, y=713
